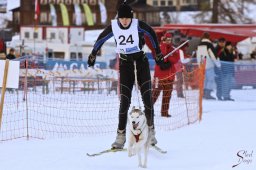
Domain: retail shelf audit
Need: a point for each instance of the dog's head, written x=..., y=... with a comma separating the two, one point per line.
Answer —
x=136, y=118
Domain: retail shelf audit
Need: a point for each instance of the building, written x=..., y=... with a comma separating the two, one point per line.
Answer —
x=144, y=11
x=61, y=23
x=3, y=4
x=90, y=14
x=84, y=13
x=179, y=5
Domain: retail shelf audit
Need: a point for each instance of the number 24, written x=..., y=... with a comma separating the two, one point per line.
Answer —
x=123, y=41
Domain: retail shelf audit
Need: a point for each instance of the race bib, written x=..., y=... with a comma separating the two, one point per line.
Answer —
x=127, y=39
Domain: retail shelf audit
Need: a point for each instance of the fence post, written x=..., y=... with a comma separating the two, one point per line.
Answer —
x=201, y=87
x=3, y=90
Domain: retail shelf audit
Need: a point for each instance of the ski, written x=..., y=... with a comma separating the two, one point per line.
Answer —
x=159, y=149
x=124, y=149
x=105, y=151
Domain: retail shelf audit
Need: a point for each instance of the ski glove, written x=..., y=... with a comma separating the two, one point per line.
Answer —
x=165, y=65
x=160, y=61
x=159, y=58
x=91, y=60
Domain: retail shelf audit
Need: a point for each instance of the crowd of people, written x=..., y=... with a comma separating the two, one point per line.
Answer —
x=219, y=67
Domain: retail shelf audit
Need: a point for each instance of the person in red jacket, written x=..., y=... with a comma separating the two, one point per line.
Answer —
x=164, y=76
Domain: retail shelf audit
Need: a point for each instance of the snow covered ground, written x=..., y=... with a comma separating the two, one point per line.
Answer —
x=226, y=131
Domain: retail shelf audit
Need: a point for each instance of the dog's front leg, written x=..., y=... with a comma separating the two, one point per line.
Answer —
x=145, y=156
x=139, y=156
x=130, y=148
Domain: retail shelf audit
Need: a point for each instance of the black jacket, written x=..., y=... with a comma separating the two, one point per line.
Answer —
x=143, y=28
x=227, y=64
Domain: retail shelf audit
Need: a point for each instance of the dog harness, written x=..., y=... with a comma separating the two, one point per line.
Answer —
x=137, y=137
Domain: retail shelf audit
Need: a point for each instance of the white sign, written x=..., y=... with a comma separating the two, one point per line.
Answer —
x=13, y=74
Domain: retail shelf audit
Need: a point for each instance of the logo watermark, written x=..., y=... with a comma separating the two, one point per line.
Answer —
x=244, y=157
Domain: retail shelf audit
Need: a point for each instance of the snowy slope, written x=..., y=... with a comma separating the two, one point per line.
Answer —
x=213, y=144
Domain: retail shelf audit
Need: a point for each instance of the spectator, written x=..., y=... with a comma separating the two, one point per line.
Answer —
x=164, y=76
x=227, y=67
x=253, y=54
x=179, y=67
x=2, y=47
x=11, y=55
x=205, y=50
x=218, y=78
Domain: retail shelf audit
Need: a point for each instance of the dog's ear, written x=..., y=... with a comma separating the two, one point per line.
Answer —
x=141, y=112
x=130, y=113
x=133, y=108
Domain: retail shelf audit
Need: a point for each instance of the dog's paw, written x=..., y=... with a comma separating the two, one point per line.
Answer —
x=144, y=166
x=131, y=154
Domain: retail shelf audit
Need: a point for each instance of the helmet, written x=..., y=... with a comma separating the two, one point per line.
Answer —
x=125, y=11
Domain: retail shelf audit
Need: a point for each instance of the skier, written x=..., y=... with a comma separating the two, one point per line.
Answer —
x=129, y=36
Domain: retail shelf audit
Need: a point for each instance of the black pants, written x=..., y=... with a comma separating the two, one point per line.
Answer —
x=218, y=80
x=127, y=80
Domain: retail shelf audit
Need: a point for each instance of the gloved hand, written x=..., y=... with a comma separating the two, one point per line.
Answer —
x=91, y=60
x=159, y=59
x=165, y=65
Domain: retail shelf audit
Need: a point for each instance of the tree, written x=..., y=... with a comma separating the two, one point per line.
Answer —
x=228, y=11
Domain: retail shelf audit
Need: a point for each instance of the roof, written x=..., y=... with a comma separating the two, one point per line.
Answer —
x=13, y=4
x=139, y=6
x=144, y=8
x=231, y=32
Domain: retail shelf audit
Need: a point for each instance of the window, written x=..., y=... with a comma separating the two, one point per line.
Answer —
x=43, y=17
x=43, y=2
x=170, y=3
x=16, y=16
x=53, y=1
x=72, y=56
x=80, y=56
x=52, y=35
x=162, y=3
x=153, y=18
x=194, y=2
x=74, y=18
x=59, y=55
x=27, y=35
x=155, y=3
x=35, y=35
x=50, y=53
x=187, y=1
x=84, y=1
x=60, y=1
x=76, y=1
x=92, y=2
x=68, y=2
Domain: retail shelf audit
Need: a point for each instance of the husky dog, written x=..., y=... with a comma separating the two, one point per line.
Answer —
x=139, y=138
